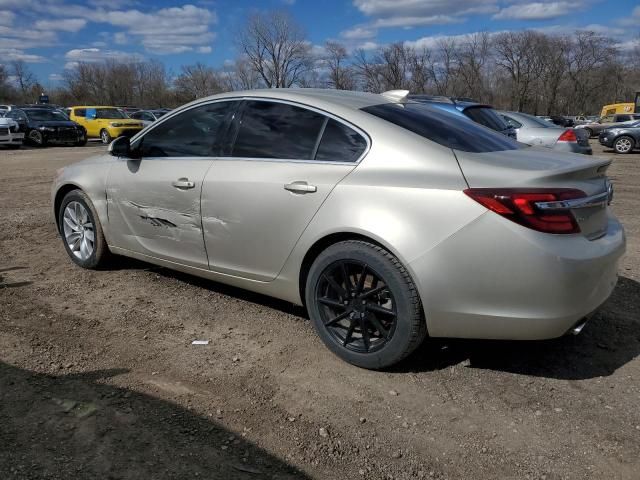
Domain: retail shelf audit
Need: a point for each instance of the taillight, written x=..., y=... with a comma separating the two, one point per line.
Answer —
x=519, y=205
x=568, y=136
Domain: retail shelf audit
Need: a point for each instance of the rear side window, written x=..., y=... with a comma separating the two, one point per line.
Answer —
x=277, y=130
x=443, y=128
x=80, y=112
x=623, y=118
x=198, y=132
x=485, y=116
x=511, y=121
x=340, y=143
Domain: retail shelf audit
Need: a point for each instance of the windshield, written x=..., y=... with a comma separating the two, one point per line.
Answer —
x=110, y=113
x=486, y=116
x=42, y=115
x=441, y=127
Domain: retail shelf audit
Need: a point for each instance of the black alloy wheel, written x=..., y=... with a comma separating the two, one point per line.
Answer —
x=364, y=304
x=358, y=309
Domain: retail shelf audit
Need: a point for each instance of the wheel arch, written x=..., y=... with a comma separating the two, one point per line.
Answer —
x=62, y=191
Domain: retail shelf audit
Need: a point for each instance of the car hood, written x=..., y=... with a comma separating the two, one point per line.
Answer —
x=52, y=123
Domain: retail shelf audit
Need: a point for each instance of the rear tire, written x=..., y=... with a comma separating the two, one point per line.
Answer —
x=364, y=305
x=81, y=231
x=589, y=132
x=624, y=144
x=105, y=137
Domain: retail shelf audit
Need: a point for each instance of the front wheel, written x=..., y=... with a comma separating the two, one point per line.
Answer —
x=589, y=132
x=624, y=144
x=81, y=231
x=364, y=305
x=37, y=138
x=105, y=137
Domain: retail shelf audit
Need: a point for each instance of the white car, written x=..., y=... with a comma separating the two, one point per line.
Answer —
x=10, y=134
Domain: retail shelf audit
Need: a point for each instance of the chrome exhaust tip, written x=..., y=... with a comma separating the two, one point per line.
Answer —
x=578, y=328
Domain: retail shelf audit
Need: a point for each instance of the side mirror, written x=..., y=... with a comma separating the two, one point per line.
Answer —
x=120, y=147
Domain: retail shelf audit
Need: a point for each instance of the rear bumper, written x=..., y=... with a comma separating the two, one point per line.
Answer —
x=570, y=147
x=497, y=280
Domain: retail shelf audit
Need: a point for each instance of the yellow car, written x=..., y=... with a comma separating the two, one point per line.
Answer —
x=105, y=123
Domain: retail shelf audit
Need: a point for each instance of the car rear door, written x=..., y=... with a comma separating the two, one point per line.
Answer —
x=154, y=200
x=259, y=198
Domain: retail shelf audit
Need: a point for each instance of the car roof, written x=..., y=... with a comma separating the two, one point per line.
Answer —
x=341, y=98
x=95, y=106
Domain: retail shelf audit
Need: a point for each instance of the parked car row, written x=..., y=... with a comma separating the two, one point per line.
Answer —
x=41, y=125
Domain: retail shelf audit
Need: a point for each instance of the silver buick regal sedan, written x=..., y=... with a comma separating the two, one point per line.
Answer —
x=389, y=220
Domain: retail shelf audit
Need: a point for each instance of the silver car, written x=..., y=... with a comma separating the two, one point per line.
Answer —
x=147, y=117
x=388, y=219
x=535, y=131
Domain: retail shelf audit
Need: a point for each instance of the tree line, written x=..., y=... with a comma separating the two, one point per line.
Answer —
x=530, y=71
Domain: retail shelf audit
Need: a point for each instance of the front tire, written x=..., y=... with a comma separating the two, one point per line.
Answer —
x=589, y=132
x=105, y=137
x=81, y=231
x=37, y=138
x=624, y=144
x=364, y=305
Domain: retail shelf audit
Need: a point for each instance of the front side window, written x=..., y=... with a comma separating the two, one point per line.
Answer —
x=340, y=143
x=607, y=119
x=277, y=130
x=624, y=118
x=443, y=128
x=197, y=132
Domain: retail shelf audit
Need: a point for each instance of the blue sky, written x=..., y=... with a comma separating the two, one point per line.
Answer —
x=51, y=35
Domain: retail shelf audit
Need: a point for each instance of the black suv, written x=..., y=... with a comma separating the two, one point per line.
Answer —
x=42, y=126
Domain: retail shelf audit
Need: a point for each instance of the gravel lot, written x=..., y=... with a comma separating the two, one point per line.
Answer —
x=98, y=377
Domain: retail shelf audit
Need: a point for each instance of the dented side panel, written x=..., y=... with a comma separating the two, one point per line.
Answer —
x=153, y=217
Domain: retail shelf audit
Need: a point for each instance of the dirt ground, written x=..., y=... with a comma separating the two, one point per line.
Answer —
x=99, y=380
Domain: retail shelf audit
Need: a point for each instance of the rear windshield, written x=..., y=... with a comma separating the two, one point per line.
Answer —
x=485, y=116
x=441, y=127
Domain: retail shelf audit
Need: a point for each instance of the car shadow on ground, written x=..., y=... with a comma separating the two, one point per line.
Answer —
x=77, y=426
x=610, y=340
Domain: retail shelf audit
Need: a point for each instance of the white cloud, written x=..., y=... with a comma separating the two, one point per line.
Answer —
x=120, y=38
x=167, y=30
x=93, y=55
x=66, y=25
x=537, y=11
x=6, y=18
x=206, y=49
x=633, y=20
x=358, y=32
x=9, y=54
x=55, y=77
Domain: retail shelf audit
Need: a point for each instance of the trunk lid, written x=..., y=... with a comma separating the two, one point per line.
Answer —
x=537, y=167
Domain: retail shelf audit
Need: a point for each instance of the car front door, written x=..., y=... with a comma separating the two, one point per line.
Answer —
x=259, y=198
x=154, y=200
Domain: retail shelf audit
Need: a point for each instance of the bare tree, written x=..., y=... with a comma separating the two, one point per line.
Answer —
x=23, y=78
x=340, y=73
x=197, y=81
x=241, y=75
x=276, y=47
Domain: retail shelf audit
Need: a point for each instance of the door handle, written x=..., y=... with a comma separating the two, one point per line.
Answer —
x=183, y=184
x=300, y=187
